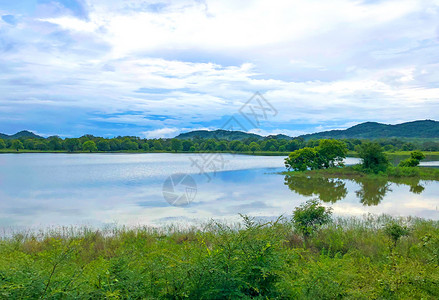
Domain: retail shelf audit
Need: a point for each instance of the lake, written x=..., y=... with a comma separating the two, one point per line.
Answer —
x=41, y=190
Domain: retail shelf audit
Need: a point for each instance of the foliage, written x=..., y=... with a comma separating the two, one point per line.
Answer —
x=348, y=258
x=17, y=145
x=308, y=217
x=395, y=231
x=89, y=146
x=176, y=145
x=413, y=161
x=72, y=145
x=328, y=154
x=373, y=158
x=331, y=153
x=302, y=159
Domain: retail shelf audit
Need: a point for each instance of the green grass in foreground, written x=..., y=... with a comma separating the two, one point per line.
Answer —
x=348, y=258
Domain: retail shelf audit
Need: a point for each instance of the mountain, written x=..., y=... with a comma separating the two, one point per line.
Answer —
x=367, y=130
x=373, y=130
x=21, y=134
x=218, y=134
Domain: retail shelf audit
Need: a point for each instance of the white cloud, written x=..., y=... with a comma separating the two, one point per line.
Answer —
x=161, y=133
x=196, y=62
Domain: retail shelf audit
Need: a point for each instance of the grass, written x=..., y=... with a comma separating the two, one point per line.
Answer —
x=350, y=258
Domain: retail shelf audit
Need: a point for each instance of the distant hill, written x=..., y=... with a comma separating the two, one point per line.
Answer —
x=218, y=134
x=373, y=130
x=367, y=130
x=21, y=134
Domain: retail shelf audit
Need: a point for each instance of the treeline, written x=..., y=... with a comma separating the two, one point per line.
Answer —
x=89, y=143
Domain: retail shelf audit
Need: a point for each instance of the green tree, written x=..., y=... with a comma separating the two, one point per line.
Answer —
x=414, y=160
x=128, y=144
x=186, y=145
x=302, y=159
x=55, y=143
x=417, y=155
x=41, y=145
x=29, y=144
x=72, y=145
x=373, y=158
x=157, y=145
x=114, y=145
x=309, y=216
x=176, y=145
x=395, y=231
x=103, y=145
x=89, y=146
x=2, y=144
x=254, y=147
x=145, y=147
x=331, y=153
x=17, y=145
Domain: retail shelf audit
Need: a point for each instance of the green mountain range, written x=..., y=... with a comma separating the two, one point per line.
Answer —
x=227, y=135
x=368, y=130
x=373, y=130
x=22, y=134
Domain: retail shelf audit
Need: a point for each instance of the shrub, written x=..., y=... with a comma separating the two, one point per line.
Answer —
x=395, y=231
x=373, y=158
x=308, y=217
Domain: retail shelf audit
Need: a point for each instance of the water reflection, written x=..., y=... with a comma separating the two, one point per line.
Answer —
x=327, y=189
x=370, y=192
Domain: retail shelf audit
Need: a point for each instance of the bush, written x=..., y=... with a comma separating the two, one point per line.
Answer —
x=373, y=158
x=395, y=231
x=308, y=217
x=413, y=161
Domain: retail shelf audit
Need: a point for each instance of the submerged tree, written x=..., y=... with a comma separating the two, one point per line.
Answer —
x=373, y=157
x=414, y=160
x=302, y=159
x=328, y=154
x=331, y=153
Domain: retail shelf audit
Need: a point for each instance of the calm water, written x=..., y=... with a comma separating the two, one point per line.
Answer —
x=39, y=190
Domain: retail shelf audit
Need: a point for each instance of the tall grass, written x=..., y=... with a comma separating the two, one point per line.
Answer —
x=349, y=258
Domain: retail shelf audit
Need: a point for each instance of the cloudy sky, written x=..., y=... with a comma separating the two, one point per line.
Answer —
x=157, y=68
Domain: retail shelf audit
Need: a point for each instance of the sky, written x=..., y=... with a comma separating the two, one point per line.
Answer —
x=157, y=68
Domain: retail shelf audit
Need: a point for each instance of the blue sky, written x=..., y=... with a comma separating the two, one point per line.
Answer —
x=157, y=68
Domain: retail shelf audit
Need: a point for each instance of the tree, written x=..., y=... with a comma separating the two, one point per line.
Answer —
x=103, y=145
x=145, y=147
x=89, y=146
x=17, y=145
x=373, y=158
x=157, y=145
x=29, y=144
x=302, y=159
x=417, y=155
x=254, y=147
x=176, y=145
x=114, y=144
x=395, y=231
x=55, y=143
x=2, y=144
x=331, y=153
x=413, y=161
x=309, y=216
x=186, y=145
x=41, y=145
x=72, y=145
x=128, y=144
